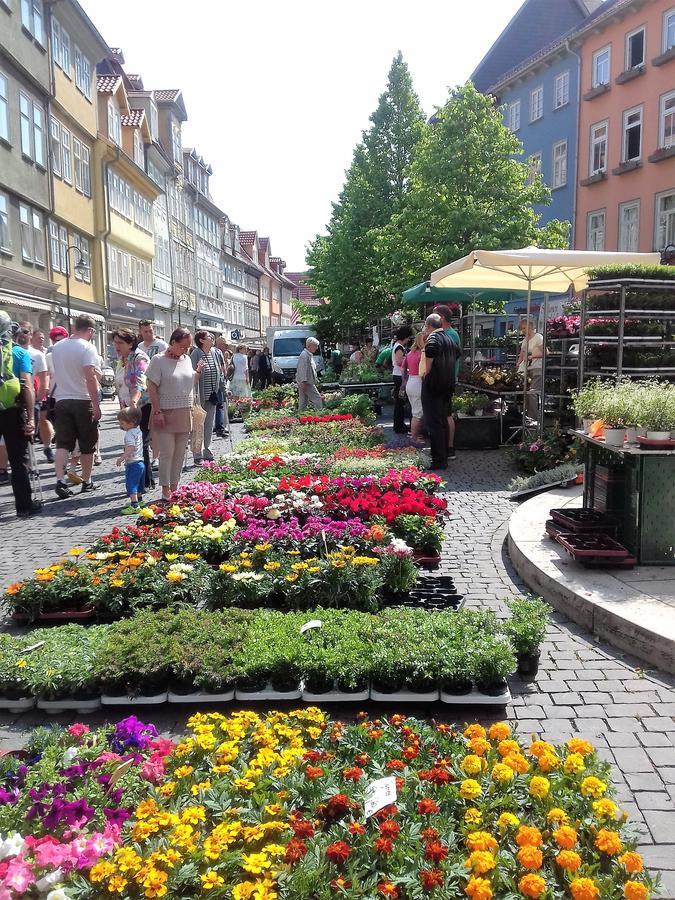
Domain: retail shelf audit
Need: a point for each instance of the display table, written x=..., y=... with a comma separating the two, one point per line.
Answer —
x=637, y=488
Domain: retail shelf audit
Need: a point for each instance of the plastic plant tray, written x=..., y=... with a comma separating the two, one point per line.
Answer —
x=628, y=562
x=595, y=546
x=582, y=519
x=476, y=698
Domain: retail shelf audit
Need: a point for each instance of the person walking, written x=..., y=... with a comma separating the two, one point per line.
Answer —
x=306, y=377
x=240, y=385
x=265, y=369
x=149, y=343
x=132, y=388
x=171, y=382
x=437, y=388
x=129, y=418
x=77, y=411
x=210, y=383
x=413, y=385
x=453, y=334
x=529, y=364
x=219, y=427
x=255, y=369
x=402, y=340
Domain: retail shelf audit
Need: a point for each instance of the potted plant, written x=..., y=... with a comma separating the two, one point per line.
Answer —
x=585, y=403
x=525, y=629
x=423, y=535
x=62, y=591
x=659, y=411
x=268, y=661
x=455, y=670
x=481, y=402
x=62, y=674
x=493, y=661
x=133, y=664
x=397, y=568
x=16, y=660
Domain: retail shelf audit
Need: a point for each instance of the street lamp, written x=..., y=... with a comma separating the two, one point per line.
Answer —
x=81, y=268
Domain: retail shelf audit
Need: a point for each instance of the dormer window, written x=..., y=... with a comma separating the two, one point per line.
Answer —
x=139, y=155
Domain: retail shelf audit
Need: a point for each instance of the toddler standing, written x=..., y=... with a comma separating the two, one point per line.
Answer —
x=132, y=457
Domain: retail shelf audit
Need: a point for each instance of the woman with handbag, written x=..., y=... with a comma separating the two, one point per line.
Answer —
x=171, y=386
x=210, y=383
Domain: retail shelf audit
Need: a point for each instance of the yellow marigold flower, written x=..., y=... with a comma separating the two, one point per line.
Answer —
x=517, y=762
x=528, y=836
x=480, y=862
x=142, y=830
x=634, y=890
x=605, y=808
x=101, y=871
x=183, y=771
x=565, y=837
x=293, y=577
x=211, y=879
x=117, y=884
x=171, y=556
x=499, y=731
x=557, y=815
x=531, y=885
x=274, y=850
x=502, y=773
x=574, y=764
x=539, y=786
x=539, y=747
x=255, y=863
x=568, y=860
x=608, y=842
x=76, y=551
x=273, y=809
x=584, y=889
x=128, y=860
x=479, y=746
x=272, y=566
x=192, y=556
x=243, y=784
x=579, y=745
x=167, y=789
x=508, y=746
x=201, y=786
x=478, y=889
x=474, y=731
x=146, y=513
x=593, y=787
x=632, y=862
x=473, y=816
x=481, y=840
x=145, y=809
x=507, y=820
x=191, y=815
x=243, y=890
x=530, y=857
x=470, y=789
x=471, y=765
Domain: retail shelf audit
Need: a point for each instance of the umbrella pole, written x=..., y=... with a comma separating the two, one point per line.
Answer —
x=473, y=334
x=543, y=369
x=527, y=321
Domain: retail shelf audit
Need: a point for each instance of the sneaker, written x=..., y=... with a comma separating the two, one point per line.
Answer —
x=4, y=476
x=62, y=490
x=88, y=487
x=451, y=453
x=74, y=478
x=97, y=459
x=199, y=460
x=131, y=509
x=33, y=509
x=49, y=454
x=208, y=456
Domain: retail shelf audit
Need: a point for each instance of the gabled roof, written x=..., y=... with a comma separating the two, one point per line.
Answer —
x=172, y=95
x=537, y=24
x=108, y=84
x=135, y=82
x=303, y=290
x=247, y=238
x=134, y=119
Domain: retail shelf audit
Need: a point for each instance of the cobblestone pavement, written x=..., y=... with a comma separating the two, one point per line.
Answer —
x=583, y=687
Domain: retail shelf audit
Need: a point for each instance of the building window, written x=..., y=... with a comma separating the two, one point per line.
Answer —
x=562, y=90
x=32, y=19
x=533, y=167
x=55, y=130
x=5, y=238
x=176, y=141
x=65, y=52
x=536, y=103
x=629, y=226
x=635, y=48
x=596, y=230
x=25, y=117
x=138, y=148
x=54, y=247
x=513, y=117
x=598, y=162
x=61, y=46
x=667, y=121
x=665, y=220
x=38, y=239
x=82, y=73
x=31, y=118
x=66, y=157
x=632, y=135
x=38, y=135
x=86, y=172
x=154, y=123
x=32, y=236
x=114, y=124
x=601, y=66
x=668, y=30
x=56, y=41
x=4, y=108
x=77, y=157
x=559, y=164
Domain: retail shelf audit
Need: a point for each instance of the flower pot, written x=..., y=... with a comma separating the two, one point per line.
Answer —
x=140, y=700
x=476, y=698
x=494, y=688
x=658, y=435
x=456, y=687
x=478, y=412
x=426, y=559
x=17, y=704
x=528, y=663
x=587, y=425
x=66, y=705
x=631, y=434
x=614, y=437
x=335, y=696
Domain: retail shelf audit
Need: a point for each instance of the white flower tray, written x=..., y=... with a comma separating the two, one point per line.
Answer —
x=79, y=706
x=268, y=694
x=201, y=697
x=475, y=698
x=21, y=704
x=151, y=700
x=405, y=696
x=335, y=696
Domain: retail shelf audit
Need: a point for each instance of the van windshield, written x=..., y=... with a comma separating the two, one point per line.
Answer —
x=289, y=346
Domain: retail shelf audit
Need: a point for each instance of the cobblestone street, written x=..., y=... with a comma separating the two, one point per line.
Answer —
x=583, y=687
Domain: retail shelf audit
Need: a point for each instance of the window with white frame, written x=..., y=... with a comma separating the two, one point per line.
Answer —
x=595, y=239
x=665, y=220
x=534, y=167
x=536, y=103
x=601, y=66
x=32, y=19
x=559, y=164
x=142, y=212
x=4, y=108
x=86, y=171
x=60, y=46
x=82, y=244
x=5, y=237
x=668, y=30
x=114, y=124
x=598, y=161
x=154, y=122
x=32, y=235
x=25, y=122
x=82, y=73
x=635, y=48
x=629, y=226
x=31, y=118
x=56, y=41
x=139, y=156
x=38, y=239
x=667, y=120
x=38, y=135
x=561, y=94
x=55, y=131
x=128, y=273
x=66, y=156
x=176, y=141
x=65, y=52
x=632, y=135
x=58, y=247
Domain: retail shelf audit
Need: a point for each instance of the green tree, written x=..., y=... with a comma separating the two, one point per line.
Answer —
x=467, y=190
x=344, y=264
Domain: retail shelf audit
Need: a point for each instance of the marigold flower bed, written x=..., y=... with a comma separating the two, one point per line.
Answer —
x=281, y=806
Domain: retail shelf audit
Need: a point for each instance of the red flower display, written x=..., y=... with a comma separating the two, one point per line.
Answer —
x=383, y=845
x=435, y=851
x=338, y=852
x=295, y=850
x=353, y=773
x=427, y=806
x=387, y=889
x=314, y=772
x=431, y=878
x=389, y=828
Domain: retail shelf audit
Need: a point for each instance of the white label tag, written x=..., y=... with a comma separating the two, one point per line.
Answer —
x=379, y=794
x=313, y=623
x=34, y=647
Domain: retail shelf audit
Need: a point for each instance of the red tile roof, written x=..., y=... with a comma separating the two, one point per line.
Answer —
x=134, y=119
x=264, y=243
x=107, y=84
x=305, y=292
x=167, y=96
x=247, y=237
x=136, y=82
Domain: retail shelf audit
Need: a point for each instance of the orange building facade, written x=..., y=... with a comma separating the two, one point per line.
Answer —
x=626, y=168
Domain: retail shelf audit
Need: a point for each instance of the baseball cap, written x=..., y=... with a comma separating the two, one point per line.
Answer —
x=58, y=332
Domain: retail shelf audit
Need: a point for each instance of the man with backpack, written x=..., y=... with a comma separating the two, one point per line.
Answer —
x=17, y=402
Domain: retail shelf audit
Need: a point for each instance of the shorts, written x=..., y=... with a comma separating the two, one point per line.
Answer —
x=134, y=477
x=413, y=391
x=73, y=423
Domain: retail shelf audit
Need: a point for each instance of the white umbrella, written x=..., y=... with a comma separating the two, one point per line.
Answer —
x=547, y=271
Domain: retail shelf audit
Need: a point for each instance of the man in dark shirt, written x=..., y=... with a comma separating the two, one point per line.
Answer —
x=437, y=388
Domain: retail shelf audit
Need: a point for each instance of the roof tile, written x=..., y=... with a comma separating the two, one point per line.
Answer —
x=107, y=84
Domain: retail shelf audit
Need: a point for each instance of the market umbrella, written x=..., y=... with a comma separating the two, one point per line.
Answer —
x=424, y=293
x=547, y=271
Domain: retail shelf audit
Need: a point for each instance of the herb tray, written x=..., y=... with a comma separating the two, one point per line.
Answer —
x=201, y=697
x=140, y=700
x=79, y=706
x=476, y=698
x=335, y=696
x=268, y=694
x=405, y=696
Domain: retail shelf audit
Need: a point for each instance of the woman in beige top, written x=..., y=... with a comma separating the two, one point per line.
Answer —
x=171, y=382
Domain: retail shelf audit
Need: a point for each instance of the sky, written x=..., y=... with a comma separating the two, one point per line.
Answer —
x=278, y=91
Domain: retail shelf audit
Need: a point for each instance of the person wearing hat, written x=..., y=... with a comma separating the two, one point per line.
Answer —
x=17, y=401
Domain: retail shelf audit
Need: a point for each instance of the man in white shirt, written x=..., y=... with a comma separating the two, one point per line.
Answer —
x=150, y=345
x=529, y=364
x=77, y=411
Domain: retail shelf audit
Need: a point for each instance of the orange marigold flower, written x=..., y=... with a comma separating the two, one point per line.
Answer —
x=387, y=889
x=353, y=773
x=539, y=747
x=565, y=837
x=480, y=862
x=431, y=878
x=517, y=762
x=479, y=746
x=530, y=857
x=634, y=890
x=584, y=889
x=474, y=731
x=478, y=889
x=313, y=772
x=532, y=885
x=481, y=840
x=568, y=860
x=528, y=836
x=427, y=806
x=499, y=731
x=508, y=746
x=632, y=862
x=608, y=842
x=579, y=745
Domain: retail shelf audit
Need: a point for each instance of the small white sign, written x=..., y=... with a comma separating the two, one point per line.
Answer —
x=379, y=794
x=313, y=623
x=34, y=647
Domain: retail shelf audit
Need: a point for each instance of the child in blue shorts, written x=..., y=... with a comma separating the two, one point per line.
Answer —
x=132, y=457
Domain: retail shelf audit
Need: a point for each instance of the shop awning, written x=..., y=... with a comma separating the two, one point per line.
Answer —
x=25, y=302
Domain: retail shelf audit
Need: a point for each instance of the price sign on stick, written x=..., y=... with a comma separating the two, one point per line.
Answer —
x=379, y=794
x=313, y=623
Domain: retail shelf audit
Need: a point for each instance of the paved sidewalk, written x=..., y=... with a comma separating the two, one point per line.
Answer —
x=583, y=687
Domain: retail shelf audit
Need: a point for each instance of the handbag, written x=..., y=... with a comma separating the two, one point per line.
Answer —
x=198, y=419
